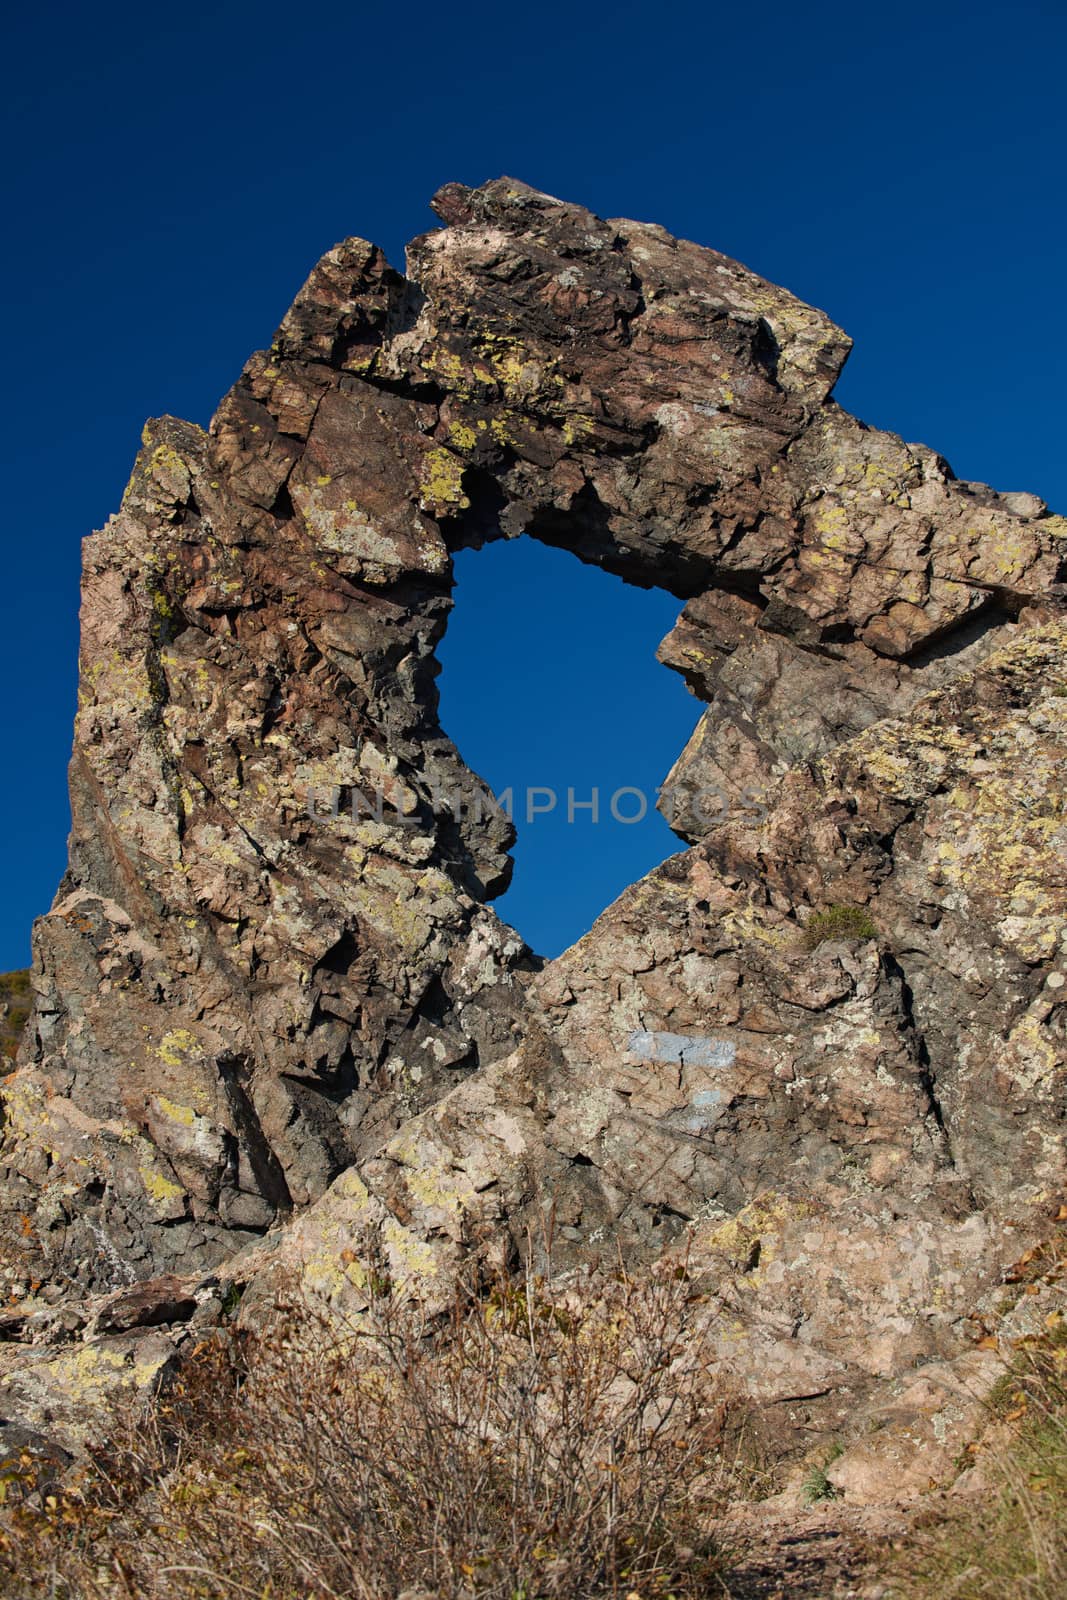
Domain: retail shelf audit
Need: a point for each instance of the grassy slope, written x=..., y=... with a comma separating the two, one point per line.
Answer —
x=15, y=996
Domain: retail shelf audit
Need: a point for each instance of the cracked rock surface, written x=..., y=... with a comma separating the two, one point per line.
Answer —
x=276, y=1023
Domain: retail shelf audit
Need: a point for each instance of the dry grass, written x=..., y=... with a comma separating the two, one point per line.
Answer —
x=537, y=1444
x=1009, y=1543
x=838, y=922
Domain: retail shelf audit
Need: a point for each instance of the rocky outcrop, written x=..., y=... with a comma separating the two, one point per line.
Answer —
x=848, y=1144
x=271, y=988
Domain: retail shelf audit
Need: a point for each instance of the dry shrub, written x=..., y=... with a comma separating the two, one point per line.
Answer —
x=536, y=1444
x=16, y=998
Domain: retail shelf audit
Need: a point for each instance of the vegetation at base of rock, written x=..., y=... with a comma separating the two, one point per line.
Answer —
x=1009, y=1539
x=838, y=922
x=16, y=997
x=817, y=1486
x=536, y=1443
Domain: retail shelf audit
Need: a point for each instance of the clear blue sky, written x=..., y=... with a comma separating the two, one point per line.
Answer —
x=172, y=175
x=551, y=688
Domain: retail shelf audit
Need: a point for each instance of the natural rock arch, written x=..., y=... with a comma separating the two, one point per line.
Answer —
x=239, y=1001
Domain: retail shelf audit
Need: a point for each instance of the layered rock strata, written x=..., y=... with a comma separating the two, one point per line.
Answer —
x=270, y=991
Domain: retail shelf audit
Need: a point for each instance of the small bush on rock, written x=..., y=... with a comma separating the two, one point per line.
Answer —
x=838, y=922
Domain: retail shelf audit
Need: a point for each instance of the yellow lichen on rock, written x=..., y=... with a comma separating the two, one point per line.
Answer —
x=441, y=488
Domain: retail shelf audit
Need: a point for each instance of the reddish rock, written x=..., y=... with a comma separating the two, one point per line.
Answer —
x=270, y=983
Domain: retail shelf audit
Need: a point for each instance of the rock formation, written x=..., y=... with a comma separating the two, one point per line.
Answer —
x=276, y=1023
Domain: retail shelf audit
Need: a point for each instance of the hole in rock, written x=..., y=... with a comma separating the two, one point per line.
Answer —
x=550, y=687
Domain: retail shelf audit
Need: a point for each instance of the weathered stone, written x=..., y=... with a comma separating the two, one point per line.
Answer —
x=916, y=1435
x=146, y=1305
x=270, y=983
x=67, y=1396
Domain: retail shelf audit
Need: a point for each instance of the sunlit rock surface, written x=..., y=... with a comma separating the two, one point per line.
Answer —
x=276, y=1024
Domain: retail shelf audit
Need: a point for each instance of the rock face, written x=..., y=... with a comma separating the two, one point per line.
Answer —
x=270, y=986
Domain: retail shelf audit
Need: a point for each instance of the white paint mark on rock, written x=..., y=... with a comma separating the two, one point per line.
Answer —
x=683, y=1049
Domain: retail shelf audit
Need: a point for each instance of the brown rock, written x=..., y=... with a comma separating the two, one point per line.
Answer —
x=270, y=983
x=146, y=1305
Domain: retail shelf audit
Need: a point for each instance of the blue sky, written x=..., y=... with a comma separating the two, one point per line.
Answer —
x=550, y=687
x=172, y=175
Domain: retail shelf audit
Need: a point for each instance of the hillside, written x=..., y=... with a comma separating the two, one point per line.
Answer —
x=291, y=1088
